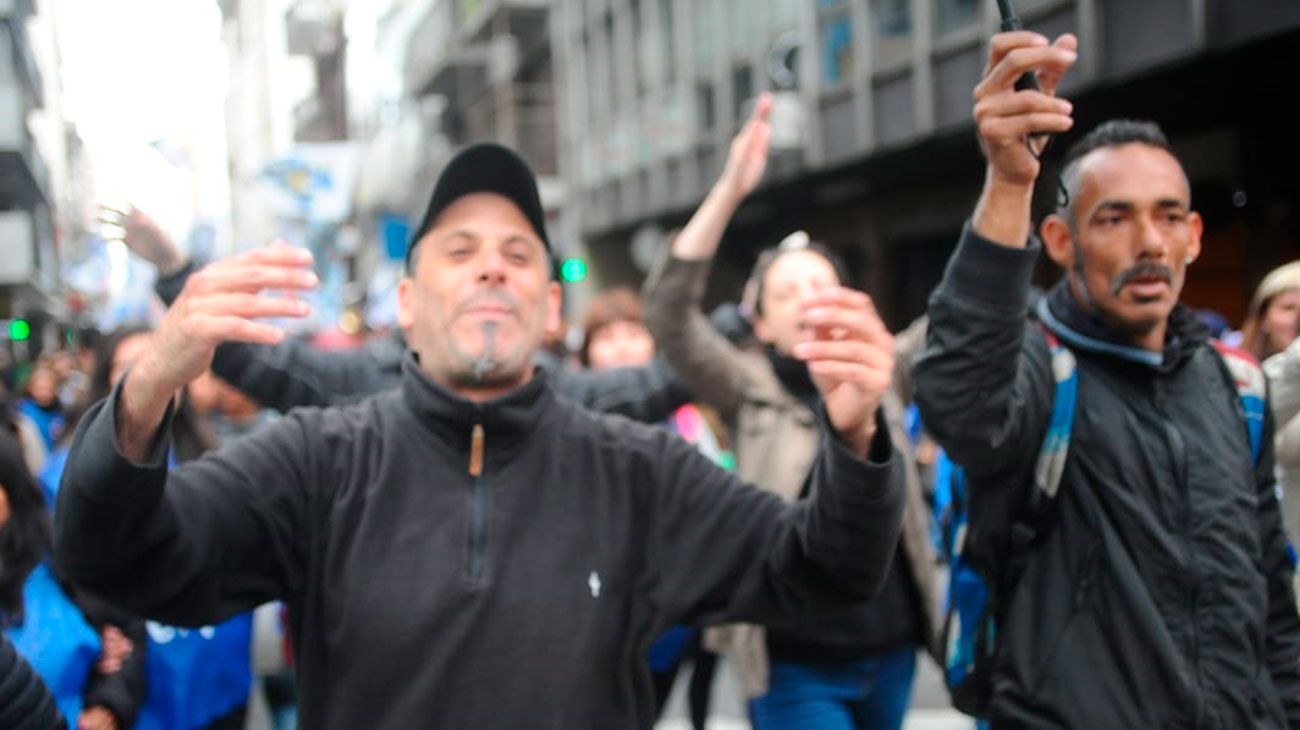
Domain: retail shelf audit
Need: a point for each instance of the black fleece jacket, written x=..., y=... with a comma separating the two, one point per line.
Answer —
x=433, y=583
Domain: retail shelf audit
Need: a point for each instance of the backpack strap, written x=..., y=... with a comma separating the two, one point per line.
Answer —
x=1252, y=392
x=1056, y=442
x=1052, y=454
x=1248, y=378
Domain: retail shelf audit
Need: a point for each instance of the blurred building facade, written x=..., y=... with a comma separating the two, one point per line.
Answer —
x=43, y=205
x=873, y=147
x=486, y=71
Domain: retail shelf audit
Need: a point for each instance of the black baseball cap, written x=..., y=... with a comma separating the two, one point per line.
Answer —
x=485, y=167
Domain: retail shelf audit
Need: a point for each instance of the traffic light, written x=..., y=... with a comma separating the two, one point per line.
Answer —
x=19, y=330
x=573, y=270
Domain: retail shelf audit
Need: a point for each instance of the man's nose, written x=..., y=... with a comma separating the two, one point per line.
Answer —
x=492, y=267
x=1151, y=241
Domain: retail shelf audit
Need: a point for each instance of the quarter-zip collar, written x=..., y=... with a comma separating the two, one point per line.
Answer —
x=506, y=420
x=1083, y=330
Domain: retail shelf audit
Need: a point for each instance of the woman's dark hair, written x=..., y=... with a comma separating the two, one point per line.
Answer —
x=26, y=537
x=797, y=241
x=190, y=436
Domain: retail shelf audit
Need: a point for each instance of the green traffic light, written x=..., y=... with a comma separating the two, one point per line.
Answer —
x=573, y=270
x=19, y=330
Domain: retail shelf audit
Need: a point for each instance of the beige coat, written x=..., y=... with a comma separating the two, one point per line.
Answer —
x=774, y=436
x=1283, y=371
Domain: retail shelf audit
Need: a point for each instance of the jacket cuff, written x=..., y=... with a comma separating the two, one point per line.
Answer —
x=101, y=455
x=169, y=287
x=990, y=274
x=873, y=470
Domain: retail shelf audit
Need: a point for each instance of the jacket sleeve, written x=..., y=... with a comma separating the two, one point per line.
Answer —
x=725, y=551
x=25, y=701
x=648, y=394
x=169, y=287
x=195, y=546
x=710, y=366
x=1282, y=644
x=293, y=373
x=121, y=692
x=983, y=382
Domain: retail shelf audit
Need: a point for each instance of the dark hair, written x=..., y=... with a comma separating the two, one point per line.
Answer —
x=797, y=241
x=26, y=537
x=1115, y=133
x=619, y=304
x=190, y=436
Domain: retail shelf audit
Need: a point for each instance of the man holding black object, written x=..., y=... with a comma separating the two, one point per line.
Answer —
x=1156, y=589
x=467, y=550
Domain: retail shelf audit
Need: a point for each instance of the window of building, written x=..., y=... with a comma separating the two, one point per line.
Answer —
x=705, y=37
x=668, y=31
x=742, y=89
x=837, y=49
x=704, y=106
x=951, y=15
x=608, y=66
x=590, y=82
x=892, y=32
x=645, y=51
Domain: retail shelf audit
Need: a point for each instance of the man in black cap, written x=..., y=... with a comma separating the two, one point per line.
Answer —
x=468, y=550
x=293, y=373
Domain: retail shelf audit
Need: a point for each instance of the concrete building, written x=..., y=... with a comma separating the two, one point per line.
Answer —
x=874, y=150
x=29, y=281
x=490, y=63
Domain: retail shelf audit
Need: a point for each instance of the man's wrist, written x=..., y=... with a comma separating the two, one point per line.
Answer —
x=860, y=444
x=142, y=408
x=1003, y=212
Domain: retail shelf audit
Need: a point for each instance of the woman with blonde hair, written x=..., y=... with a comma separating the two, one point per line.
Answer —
x=1274, y=314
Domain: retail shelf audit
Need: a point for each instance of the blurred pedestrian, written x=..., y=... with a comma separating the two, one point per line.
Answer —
x=850, y=671
x=90, y=656
x=1139, y=570
x=1273, y=319
x=198, y=677
x=469, y=549
x=1270, y=334
x=41, y=402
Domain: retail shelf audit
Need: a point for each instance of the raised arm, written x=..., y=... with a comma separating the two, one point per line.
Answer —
x=710, y=366
x=984, y=381
x=284, y=375
x=648, y=394
x=767, y=559
x=220, y=303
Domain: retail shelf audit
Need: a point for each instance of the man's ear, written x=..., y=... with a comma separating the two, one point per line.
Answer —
x=405, y=307
x=554, y=303
x=1058, y=239
x=1198, y=227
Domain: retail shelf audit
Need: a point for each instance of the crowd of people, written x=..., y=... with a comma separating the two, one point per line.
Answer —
x=460, y=524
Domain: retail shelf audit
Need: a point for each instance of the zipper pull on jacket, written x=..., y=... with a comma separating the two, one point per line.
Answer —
x=476, y=450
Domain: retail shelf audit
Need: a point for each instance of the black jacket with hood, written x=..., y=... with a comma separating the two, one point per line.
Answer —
x=1160, y=594
x=430, y=587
